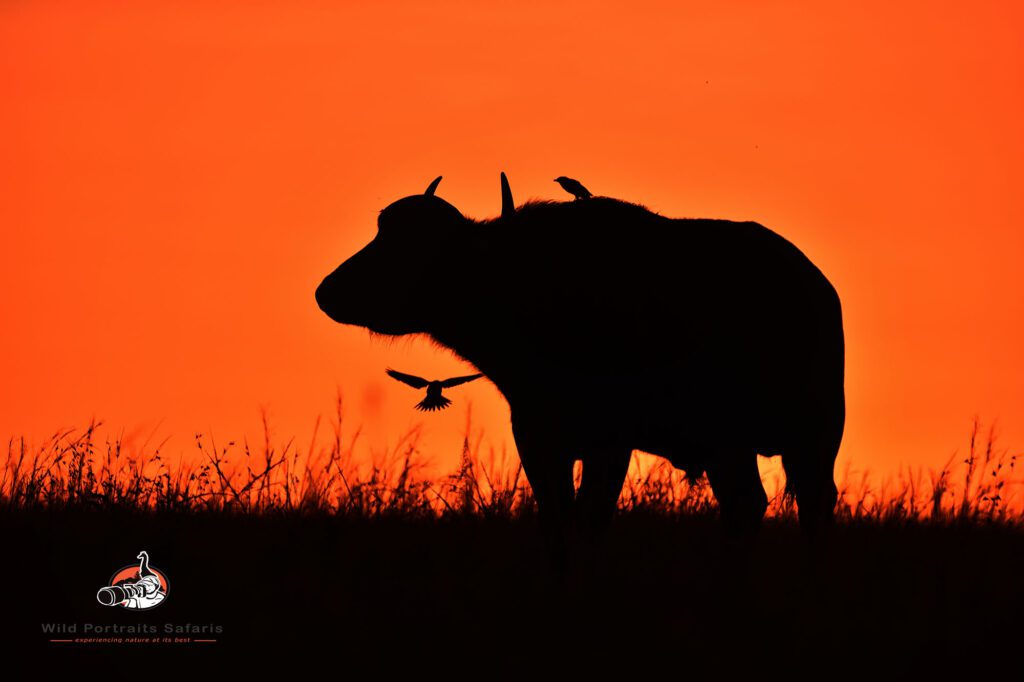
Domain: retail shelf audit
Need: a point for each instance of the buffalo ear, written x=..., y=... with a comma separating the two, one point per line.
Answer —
x=508, y=206
x=433, y=185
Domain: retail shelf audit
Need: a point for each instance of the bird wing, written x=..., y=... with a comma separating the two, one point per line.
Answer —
x=414, y=381
x=577, y=187
x=455, y=381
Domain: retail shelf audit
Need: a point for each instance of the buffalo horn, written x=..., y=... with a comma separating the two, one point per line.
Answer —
x=508, y=206
x=433, y=186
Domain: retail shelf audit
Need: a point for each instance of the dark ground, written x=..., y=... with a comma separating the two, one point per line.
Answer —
x=472, y=598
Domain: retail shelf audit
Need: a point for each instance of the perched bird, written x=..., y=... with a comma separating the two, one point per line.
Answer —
x=573, y=187
x=434, y=399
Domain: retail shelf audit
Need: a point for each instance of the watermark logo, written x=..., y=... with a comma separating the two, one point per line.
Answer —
x=135, y=587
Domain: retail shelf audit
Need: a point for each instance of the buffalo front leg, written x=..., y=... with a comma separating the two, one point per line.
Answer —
x=736, y=483
x=604, y=473
x=548, y=468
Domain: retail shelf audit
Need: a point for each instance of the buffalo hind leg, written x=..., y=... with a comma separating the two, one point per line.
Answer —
x=742, y=502
x=810, y=479
x=809, y=461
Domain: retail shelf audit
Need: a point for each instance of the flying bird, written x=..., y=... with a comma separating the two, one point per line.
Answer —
x=573, y=187
x=434, y=399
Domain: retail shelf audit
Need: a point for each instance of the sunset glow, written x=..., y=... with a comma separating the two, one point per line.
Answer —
x=179, y=177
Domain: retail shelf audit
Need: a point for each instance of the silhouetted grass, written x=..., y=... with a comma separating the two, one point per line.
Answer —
x=341, y=559
x=338, y=478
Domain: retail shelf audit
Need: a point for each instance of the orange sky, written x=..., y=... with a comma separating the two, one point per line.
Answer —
x=176, y=179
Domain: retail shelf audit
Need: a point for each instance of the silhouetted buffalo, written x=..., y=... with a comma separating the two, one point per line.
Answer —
x=610, y=328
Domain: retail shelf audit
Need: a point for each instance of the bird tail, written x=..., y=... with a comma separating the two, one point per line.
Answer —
x=431, y=403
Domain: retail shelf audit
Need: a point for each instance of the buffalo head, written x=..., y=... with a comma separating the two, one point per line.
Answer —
x=391, y=285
